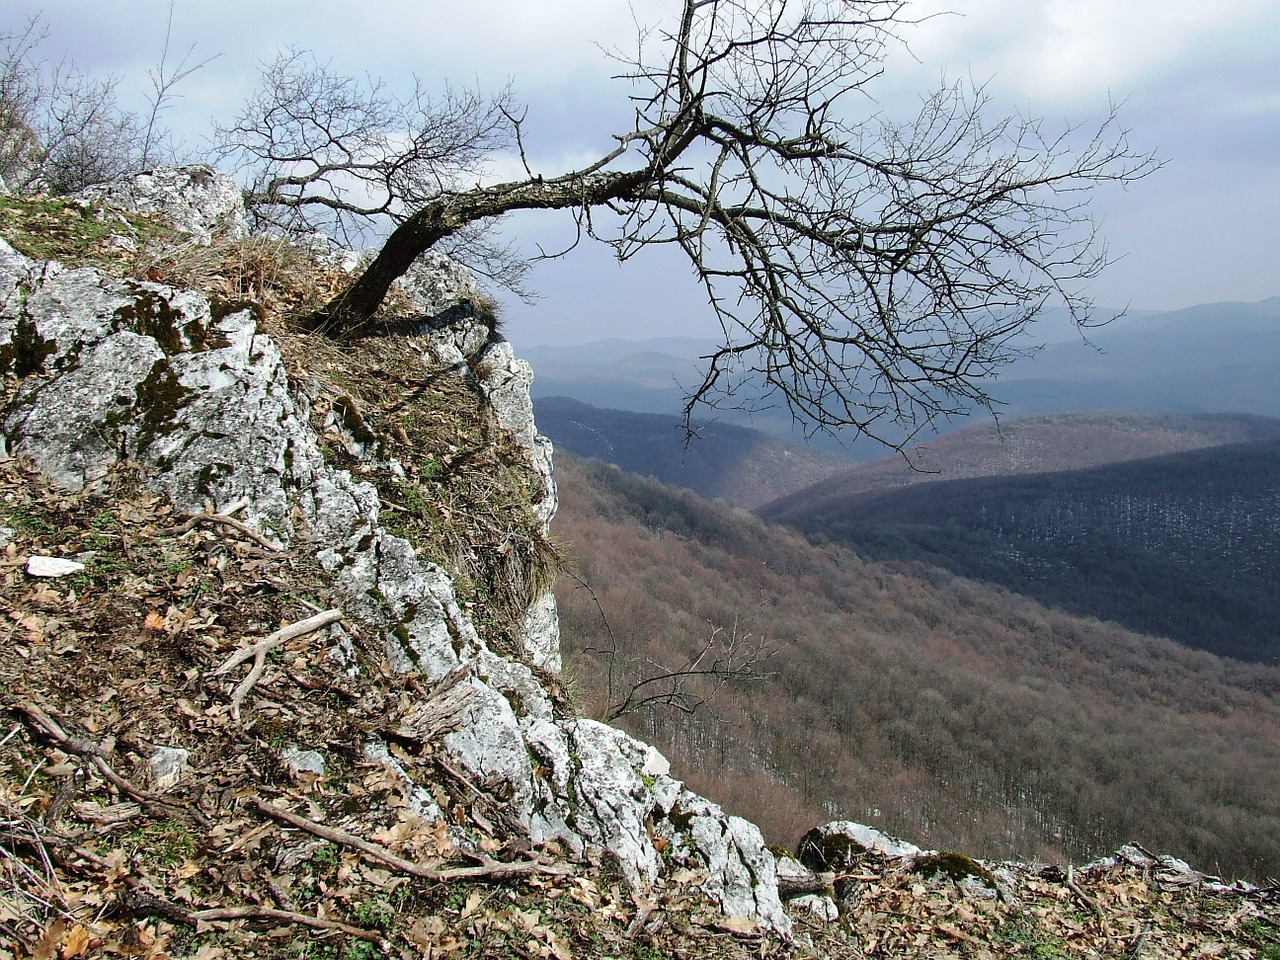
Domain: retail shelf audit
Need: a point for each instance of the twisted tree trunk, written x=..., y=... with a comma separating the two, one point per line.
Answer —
x=348, y=312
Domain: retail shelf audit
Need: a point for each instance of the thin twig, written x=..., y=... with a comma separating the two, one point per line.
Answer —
x=98, y=755
x=489, y=870
x=225, y=519
x=1080, y=894
x=259, y=650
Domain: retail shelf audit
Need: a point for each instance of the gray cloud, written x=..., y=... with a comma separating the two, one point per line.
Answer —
x=1208, y=101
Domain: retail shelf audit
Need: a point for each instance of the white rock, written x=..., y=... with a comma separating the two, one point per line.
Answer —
x=52, y=567
x=168, y=764
x=298, y=761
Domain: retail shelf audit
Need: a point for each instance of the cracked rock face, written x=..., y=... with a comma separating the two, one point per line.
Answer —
x=113, y=369
x=197, y=200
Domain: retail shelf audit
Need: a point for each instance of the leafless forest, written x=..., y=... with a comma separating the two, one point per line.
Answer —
x=954, y=714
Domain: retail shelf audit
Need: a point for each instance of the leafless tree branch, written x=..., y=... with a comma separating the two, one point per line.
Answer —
x=867, y=272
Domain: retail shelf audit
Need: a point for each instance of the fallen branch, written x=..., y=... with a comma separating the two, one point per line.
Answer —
x=1080, y=895
x=144, y=898
x=227, y=520
x=259, y=651
x=98, y=756
x=147, y=903
x=488, y=870
x=822, y=884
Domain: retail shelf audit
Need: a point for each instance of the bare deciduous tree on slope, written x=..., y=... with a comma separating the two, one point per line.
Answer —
x=870, y=272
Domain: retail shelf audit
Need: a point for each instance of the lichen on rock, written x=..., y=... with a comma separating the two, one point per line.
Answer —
x=210, y=409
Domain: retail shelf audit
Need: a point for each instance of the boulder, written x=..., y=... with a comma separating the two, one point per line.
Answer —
x=197, y=200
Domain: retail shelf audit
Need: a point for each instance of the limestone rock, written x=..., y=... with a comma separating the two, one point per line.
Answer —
x=196, y=200
x=52, y=567
x=301, y=762
x=835, y=845
x=167, y=765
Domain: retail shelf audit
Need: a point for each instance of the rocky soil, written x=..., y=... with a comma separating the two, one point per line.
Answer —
x=279, y=673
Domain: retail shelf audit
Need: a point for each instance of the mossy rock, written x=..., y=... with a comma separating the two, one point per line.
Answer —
x=957, y=867
x=824, y=852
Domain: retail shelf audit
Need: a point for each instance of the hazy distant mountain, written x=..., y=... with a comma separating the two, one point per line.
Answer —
x=742, y=466
x=1211, y=358
x=1181, y=545
x=1035, y=444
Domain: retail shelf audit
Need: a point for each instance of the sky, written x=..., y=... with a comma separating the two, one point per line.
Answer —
x=1198, y=83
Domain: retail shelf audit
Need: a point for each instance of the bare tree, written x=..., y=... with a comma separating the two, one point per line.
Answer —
x=59, y=129
x=635, y=683
x=869, y=272
x=62, y=130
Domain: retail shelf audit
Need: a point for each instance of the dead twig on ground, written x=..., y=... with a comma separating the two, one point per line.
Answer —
x=488, y=870
x=225, y=519
x=259, y=651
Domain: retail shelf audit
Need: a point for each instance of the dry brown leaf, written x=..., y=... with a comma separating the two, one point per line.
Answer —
x=47, y=946
x=76, y=943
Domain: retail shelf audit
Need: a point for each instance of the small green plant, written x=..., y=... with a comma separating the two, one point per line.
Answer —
x=359, y=950
x=377, y=914
x=30, y=521
x=1022, y=937
x=163, y=844
x=327, y=857
x=312, y=950
x=456, y=899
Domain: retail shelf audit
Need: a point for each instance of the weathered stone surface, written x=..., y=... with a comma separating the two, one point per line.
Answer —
x=301, y=762
x=835, y=845
x=145, y=371
x=741, y=872
x=52, y=567
x=197, y=200
x=167, y=766
x=435, y=283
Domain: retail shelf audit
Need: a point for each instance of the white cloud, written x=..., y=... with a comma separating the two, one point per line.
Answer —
x=1068, y=50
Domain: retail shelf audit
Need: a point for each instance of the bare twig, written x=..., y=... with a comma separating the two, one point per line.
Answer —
x=225, y=519
x=1079, y=894
x=259, y=651
x=488, y=870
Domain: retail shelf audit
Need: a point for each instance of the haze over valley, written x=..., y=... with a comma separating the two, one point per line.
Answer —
x=1038, y=636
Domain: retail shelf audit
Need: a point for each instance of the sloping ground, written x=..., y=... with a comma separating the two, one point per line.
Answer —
x=1037, y=444
x=251, y=854
x=742, y=466
x=243, y=847
x=933, y=707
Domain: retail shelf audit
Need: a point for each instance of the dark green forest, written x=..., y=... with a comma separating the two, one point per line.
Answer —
x=951, y=712
x=1181, y=546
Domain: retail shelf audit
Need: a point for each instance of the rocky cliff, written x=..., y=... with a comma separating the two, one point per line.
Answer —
x=349, y=455
x=283, y=663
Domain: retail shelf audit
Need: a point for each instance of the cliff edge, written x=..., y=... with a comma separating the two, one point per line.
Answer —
x=283, y=666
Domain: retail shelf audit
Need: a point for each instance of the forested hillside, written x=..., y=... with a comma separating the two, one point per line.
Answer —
x=746, y=467
x=934, y=707
x=1182, y=546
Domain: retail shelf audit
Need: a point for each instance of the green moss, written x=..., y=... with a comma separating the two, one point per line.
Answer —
x=160, y=397
x=151, y=315
x=953, y=866
x=26, y=353
x=47, y=228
